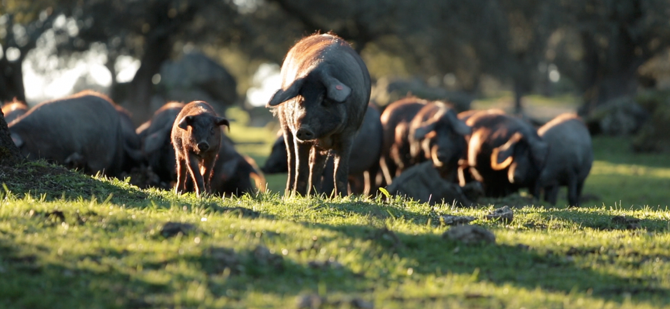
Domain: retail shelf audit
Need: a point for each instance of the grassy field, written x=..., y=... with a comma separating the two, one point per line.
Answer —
x=72, y=241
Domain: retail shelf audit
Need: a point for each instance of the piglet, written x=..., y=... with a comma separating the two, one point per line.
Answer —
x=196, y=138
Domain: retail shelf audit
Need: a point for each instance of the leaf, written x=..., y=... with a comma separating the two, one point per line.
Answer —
x=385, y=192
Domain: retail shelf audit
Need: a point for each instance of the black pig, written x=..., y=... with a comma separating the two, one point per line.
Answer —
x=323, y=97
x=569, y=160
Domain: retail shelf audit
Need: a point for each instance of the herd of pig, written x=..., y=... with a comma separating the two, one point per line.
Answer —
x=88, y=132
x=332, y=140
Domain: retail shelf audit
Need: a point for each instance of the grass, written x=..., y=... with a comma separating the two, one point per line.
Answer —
x=72, y=241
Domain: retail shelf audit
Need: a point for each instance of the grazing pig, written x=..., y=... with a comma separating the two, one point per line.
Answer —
x=321, y=104
x=233, y=173
x=82, y=130
x=363, y=162
x=13, y=110
x=196, y=137
x=569, y=160
x=395, y=120
x=156, y=144
x=504, y=153
x=437, y=134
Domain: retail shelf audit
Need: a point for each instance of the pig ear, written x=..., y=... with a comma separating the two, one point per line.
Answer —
x=18, y=141
x=335, y=89
x=185, y=122
x=154, y=141
x=421, y=131
x=220, y=121
x=501, y=157
x=457, y=125
x=291, y=92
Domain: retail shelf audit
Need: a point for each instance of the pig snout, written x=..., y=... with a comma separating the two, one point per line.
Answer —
x=305, y=134
x=203, y=146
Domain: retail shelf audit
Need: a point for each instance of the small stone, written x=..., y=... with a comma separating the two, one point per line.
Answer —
x=456, y=220
x=310, y=301
x=469, y=234
x=504, y=214
x=361, y=304
x=630, y=222
x=171, y=229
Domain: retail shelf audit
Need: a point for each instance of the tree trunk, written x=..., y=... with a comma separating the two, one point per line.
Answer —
x=610, y=73
x=11, y=80
x=156, y=51
x=518, y=95
x=9, y=153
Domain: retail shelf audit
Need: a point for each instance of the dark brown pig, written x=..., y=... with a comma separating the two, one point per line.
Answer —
x=196, y=137
x=235, y=174
x=436, y=134
x=504, y=153
x=14, y=109
x=323, y=98
x=395, y=119
x=569, y=160
x=156, y=143
x=82, y=130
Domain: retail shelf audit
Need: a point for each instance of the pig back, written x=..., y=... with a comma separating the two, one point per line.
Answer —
x=86, y=125
x=367, y=143
x=329, y=53
x=570, y=147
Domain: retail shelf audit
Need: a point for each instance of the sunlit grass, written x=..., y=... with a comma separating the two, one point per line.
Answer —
x=107, y=249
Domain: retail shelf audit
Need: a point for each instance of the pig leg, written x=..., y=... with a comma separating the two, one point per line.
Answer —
x=384, y=164
x=194, y=170
x=317, y=161
x=207, y=171
x=580, y=187
x=327, y=185
x=291, y=161
x=551, y=194
x=302, y=162
x=573, y=196
x=181, y=175
x=341, y=163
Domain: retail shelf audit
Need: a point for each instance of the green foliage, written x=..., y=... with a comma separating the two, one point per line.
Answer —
x=103, y=244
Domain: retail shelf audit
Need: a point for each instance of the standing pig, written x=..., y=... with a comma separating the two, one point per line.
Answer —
x=395, y=120
x=196, y=137
x=504, y=153
x=437, y=134
x=569, y=160
x=82, y=130
x=13, y=110
x=364, y=159
x=324, y=95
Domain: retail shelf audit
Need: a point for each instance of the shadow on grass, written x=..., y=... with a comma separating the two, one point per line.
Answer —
x=28, y=282
x=42, y=180
x=518, y=265
x=605, y=221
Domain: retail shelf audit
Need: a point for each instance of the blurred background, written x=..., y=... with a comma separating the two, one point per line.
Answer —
x=608, y=59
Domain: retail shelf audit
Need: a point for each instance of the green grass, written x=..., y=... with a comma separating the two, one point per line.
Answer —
x=72, y=241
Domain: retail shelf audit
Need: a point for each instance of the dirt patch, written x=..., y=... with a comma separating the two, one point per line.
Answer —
x=503, y=214
x=171, y=229
x=469, y=234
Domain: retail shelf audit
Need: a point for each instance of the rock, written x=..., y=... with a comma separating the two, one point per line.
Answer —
x=310, y=301
x=197, y=77
x=653, y=136
x=469, y=234
x=423, y=183
x=456, y=220
x=504, y=214
x=629, y=222
x=171, y=229
x=621, y=116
